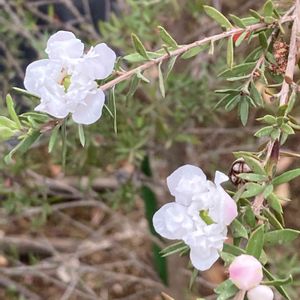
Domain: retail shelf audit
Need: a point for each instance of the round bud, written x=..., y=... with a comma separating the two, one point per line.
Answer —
x=261, y=292
x=245, y=272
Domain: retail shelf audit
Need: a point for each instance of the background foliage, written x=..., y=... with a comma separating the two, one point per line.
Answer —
x=92, y=218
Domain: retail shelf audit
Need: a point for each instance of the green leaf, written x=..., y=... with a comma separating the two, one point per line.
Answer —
x=254, y=164
x=286, y=177
x=265, y=131
x=280, y=289
x=175, y=248
x=230, y=52
x=139, y=47
x=226, y=99
x=252, y=189
x=167, y=38
x=226, y=290
x=5, y=122
x=136, y=57
x=6, y=133
x=142, y=77
x=227, y=258
x=281, y=236
x=263, y=40
x=268, y=8
x=12, y=112
x=279, y=282
x=194, y=51
x=217, y=16
x=274, y=202
x=268, y=119
x=113, y=98
x=81, y=135
x=287, y=129
x=255, y=14
x=53, y=138
x=256, y=242
x=268, y=190
x=272, y=219
x=234, y=250
x=161, y=81
x=241, y=38
x=256, y=95
x=237, y=21
x=193, y=278
x=231, y=104
x=253, y=177
x=238, y=229
x=25, y=93
x=238, y=70
x=132, y=87
x=249, y=216
x=244, y=111
x=170, y=66
x=23, y=146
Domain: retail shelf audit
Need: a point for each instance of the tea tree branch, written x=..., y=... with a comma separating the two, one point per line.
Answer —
x=181, y=50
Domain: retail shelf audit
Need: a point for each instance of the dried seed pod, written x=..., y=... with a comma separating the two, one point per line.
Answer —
x=238, y=166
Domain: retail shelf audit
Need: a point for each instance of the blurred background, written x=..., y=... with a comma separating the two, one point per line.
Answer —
x=86, y=232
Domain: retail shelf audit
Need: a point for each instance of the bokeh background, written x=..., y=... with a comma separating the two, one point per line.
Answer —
x=86, y=232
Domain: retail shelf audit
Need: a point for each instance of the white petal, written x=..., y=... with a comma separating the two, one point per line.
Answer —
x=90, y=110
x=53, y=102
x=172, y=222
x=220, y=178
x=98, y=63
x=106, y=58
x=203, y=260
x=186, y=172
x=64, y=44
x=40, y=73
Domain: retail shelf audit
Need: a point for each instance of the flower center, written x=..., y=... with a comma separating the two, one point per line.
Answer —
x=66, y=82
x=205, y=217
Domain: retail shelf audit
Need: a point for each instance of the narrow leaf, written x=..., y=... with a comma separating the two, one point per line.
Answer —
x=217, y=16
x=167, y=38
x=256, y=242
x=139, y=47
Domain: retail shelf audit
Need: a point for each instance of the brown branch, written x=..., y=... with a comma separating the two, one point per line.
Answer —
x=185, y=48
x=293, y=49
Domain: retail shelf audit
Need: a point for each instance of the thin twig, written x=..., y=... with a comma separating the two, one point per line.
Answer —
x=290, y=69
x=184, y=49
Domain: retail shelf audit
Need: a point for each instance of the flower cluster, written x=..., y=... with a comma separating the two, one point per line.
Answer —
x=199, y=216
x=246, y=273
x=65, y=82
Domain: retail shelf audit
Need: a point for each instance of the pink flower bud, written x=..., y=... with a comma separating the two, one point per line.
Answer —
x=261, y=292
x=245, y=272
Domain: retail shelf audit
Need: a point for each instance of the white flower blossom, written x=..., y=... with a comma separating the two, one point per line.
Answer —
x=199, y=216
x=65, y=82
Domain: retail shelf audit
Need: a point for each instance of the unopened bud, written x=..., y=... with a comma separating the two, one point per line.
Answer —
x=261, y=292
x=245, y=272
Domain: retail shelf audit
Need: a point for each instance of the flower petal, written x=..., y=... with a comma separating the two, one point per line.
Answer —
x=106, y=58
x=203, y=260
x=220, y=178
x=172, y=221
x=261, y=292
x=53, y=102
x=64, y=45
x=90, y=110
x=39, y=73
x=183, y=181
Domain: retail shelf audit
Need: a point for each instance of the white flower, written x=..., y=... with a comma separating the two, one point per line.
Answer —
x=66, y=82
x=199, y=215
x=261, y=292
